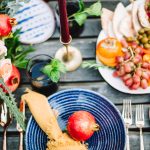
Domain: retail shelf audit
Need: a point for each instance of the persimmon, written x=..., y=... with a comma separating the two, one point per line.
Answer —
x=111, y=62
x=109, y=48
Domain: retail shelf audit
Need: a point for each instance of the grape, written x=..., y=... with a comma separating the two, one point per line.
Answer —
x=144, y=83
x=127, y=55
x=145, y=65
x=145, y=75
x=138, y=50
x=136, y=78
x=126, y=77
x=119, y=59
x=138, y=72
x=121, y=71
x=127, y=68
x=135, y=86
x=129, y=82
x=137, y=59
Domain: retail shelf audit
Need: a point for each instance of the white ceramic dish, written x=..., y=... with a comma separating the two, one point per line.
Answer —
x=117, y=83
x=36, y=20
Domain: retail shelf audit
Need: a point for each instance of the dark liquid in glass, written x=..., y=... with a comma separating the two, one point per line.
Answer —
x=40, y=82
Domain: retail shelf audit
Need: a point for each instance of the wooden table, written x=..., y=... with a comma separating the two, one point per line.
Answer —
x=84, y=78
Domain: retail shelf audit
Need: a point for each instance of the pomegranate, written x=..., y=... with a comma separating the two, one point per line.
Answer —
x=6, y=24
x=81, y=125
x=13, y=81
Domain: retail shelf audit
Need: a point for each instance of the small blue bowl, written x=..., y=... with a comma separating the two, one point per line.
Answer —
x=111, y=136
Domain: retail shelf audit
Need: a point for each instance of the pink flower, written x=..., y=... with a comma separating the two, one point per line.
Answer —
x=5, y=69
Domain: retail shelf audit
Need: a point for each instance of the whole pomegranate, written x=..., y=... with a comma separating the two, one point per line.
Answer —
x=81, y=125
x=6, y=24
x=14, y=79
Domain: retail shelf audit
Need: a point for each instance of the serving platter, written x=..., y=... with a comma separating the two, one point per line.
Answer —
x=111, y=135
x=107, y=73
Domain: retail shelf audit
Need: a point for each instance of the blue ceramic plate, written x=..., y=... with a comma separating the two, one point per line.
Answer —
x=112, y=133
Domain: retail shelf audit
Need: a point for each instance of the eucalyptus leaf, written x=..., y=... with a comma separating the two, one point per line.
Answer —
x=80, y=18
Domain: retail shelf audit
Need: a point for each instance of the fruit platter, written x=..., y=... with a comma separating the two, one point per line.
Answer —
x=123, y=47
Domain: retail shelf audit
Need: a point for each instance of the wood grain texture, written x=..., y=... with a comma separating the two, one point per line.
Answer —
x=84, y=78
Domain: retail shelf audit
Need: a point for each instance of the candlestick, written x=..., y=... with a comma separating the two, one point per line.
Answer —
x=70, y=56
x=64, y=27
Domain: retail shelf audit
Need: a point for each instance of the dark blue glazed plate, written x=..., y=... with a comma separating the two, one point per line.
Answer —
x=111, y=135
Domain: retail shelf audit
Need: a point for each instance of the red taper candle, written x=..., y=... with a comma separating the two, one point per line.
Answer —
x=64, y=26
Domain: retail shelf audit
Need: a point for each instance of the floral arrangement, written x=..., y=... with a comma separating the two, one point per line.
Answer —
x=12, y=55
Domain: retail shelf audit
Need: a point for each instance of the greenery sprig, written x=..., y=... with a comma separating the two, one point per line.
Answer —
x=9, y=100
x=90, y=64
x=81, y=15
x=16, y=51
x=54, y=69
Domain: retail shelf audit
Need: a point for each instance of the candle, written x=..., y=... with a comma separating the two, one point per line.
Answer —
x=64, y=27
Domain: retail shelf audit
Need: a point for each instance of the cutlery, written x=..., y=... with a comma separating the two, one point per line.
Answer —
x=20, y=130
x=5, y=120
x=140, y=123
x=127, y=116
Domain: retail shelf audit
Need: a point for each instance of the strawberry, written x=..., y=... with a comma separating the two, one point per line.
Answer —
x=81, y=125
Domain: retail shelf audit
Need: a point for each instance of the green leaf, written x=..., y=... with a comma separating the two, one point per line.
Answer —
x=80, y=18
x=94, y=10
x=21, y=64
x=81, y=5
x=55, y=76
x=54, y=69
x=91, y=64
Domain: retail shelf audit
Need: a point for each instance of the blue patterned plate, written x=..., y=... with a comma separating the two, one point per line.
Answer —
x=112, y=133
x=36, y=20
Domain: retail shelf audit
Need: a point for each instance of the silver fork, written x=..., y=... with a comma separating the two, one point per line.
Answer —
x=127, y=116
x=139, y=119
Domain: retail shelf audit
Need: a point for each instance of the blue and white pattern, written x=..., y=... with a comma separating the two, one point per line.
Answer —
x=111, y=135
x=36, y=19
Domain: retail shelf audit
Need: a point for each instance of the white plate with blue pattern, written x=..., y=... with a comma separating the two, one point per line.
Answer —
x=36, y=21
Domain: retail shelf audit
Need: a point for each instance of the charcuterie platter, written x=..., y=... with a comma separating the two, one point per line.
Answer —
x=127, y=27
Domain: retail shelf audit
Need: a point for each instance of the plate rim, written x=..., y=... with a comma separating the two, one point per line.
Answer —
x=79, y=90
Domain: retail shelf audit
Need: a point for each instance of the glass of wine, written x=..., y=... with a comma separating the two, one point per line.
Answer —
x=40, y=82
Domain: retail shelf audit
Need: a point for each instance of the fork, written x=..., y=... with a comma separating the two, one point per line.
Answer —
x=127, y=116
x=5, y=120
x=139, y=119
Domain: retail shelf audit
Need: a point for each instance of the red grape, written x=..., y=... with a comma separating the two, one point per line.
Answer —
x=119, y=59
x=145, y=65
x=144, y=83
x=127, y=68
x=136, y=78
x=135, y=86
x=145, y=75
x=126, y=77
x=138, y=72
x=129, y=82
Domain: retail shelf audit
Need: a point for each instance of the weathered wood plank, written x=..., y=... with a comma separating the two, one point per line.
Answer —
x=100, y=87
x=80, y=75
x=12, y=141
x=86, y=46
